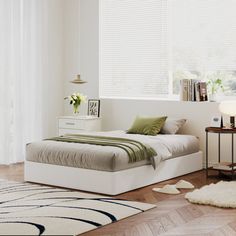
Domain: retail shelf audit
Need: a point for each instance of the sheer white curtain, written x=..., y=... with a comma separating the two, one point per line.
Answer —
x=20, y=76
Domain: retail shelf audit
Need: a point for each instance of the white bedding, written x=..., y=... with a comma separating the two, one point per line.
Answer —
x=166, y=146
x=109, y=158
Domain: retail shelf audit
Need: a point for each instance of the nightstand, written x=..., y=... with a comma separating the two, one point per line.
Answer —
x=221, y=167
x=75, y=124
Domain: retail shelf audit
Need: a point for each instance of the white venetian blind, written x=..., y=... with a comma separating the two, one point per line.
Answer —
x=133, y=56
x=203, y=35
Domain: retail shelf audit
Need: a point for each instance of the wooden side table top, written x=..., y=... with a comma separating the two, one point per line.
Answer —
x=220, y=130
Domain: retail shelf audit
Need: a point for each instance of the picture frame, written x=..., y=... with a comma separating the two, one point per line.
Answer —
x=94, y=107
x=216, y=121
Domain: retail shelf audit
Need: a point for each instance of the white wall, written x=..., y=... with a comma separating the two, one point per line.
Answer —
x=52, y=67
x=71, y=47
x=119, y=113
x=81, y=49
x=65, y=43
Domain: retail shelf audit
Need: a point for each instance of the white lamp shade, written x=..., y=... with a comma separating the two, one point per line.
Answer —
x=228, y=108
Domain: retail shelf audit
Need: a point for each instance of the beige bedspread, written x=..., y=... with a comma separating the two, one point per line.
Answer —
x=108, y=158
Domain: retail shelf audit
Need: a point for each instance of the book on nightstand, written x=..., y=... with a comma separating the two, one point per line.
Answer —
x=224, y=166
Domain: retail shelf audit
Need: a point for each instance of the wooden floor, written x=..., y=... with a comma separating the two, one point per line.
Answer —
x=172, y=216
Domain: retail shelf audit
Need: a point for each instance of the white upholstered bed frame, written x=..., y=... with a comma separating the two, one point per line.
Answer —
x=111, y=183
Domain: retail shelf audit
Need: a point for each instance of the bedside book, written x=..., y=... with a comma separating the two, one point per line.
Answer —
x=224, y=166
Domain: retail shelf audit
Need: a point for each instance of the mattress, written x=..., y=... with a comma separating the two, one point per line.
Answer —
x=106, y=158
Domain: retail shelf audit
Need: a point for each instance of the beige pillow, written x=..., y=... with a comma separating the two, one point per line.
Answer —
x=172, y=126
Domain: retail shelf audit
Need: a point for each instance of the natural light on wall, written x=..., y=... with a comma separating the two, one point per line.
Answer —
x=147, y=46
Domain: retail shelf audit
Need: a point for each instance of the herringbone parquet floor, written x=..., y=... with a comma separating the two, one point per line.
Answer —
x=173, y=215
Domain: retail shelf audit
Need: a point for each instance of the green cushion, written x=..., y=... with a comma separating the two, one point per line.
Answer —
x=147, y=125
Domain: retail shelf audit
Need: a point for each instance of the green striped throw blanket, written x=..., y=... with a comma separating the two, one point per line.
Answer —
x=136, y=150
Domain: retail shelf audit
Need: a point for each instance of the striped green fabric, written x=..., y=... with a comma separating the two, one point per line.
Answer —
x=136, y=150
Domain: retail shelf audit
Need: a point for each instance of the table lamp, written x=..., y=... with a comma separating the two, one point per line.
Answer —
x=229, y=108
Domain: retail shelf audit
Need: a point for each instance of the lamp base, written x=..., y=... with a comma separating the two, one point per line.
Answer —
x=232, y=122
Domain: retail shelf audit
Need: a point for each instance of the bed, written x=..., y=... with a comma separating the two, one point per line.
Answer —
x=107, y=170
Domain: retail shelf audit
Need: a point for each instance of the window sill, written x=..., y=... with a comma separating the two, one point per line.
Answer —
x=167, y=99
x=142, y=98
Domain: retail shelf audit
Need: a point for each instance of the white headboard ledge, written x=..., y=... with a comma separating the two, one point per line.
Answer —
x=120, y=113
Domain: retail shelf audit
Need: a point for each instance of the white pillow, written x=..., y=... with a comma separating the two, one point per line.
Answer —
x=172, y=126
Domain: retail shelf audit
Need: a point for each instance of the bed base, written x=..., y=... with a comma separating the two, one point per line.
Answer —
x=111, y=183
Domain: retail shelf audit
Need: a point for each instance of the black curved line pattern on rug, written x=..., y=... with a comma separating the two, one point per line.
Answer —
x=46, y=206
x=92, y=199
x=15, y=186
x=57, y=217
x=26, y=190
x=112, y=217
x=32, y=187
x=24, y=186
x=118, y=203
x=33, y=194
x=77, y=219
x=41, y=228
x=72, y=198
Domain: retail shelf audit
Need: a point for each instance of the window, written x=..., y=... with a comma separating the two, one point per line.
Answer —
x=147, y=46
x=203, y=44
x=133, y=48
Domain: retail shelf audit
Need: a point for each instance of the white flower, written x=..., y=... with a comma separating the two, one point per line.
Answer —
x=76, y=99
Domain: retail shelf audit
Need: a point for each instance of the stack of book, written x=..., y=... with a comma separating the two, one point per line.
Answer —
x=193, y=90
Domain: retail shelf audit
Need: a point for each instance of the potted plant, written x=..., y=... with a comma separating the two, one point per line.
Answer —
x=75, y=100
x=214, y=85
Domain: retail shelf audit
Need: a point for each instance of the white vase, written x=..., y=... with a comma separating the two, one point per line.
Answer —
x=76, y=110
x=212, y=97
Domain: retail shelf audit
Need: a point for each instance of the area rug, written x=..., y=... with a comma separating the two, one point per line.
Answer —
x=221, y=194
x=32, y=209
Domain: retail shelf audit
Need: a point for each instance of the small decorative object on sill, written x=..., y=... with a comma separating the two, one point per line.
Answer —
x=75, y=100
x=216, y=121
x=214, y=85
x=78, y=80
x=94, y=107
x=229, y=108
